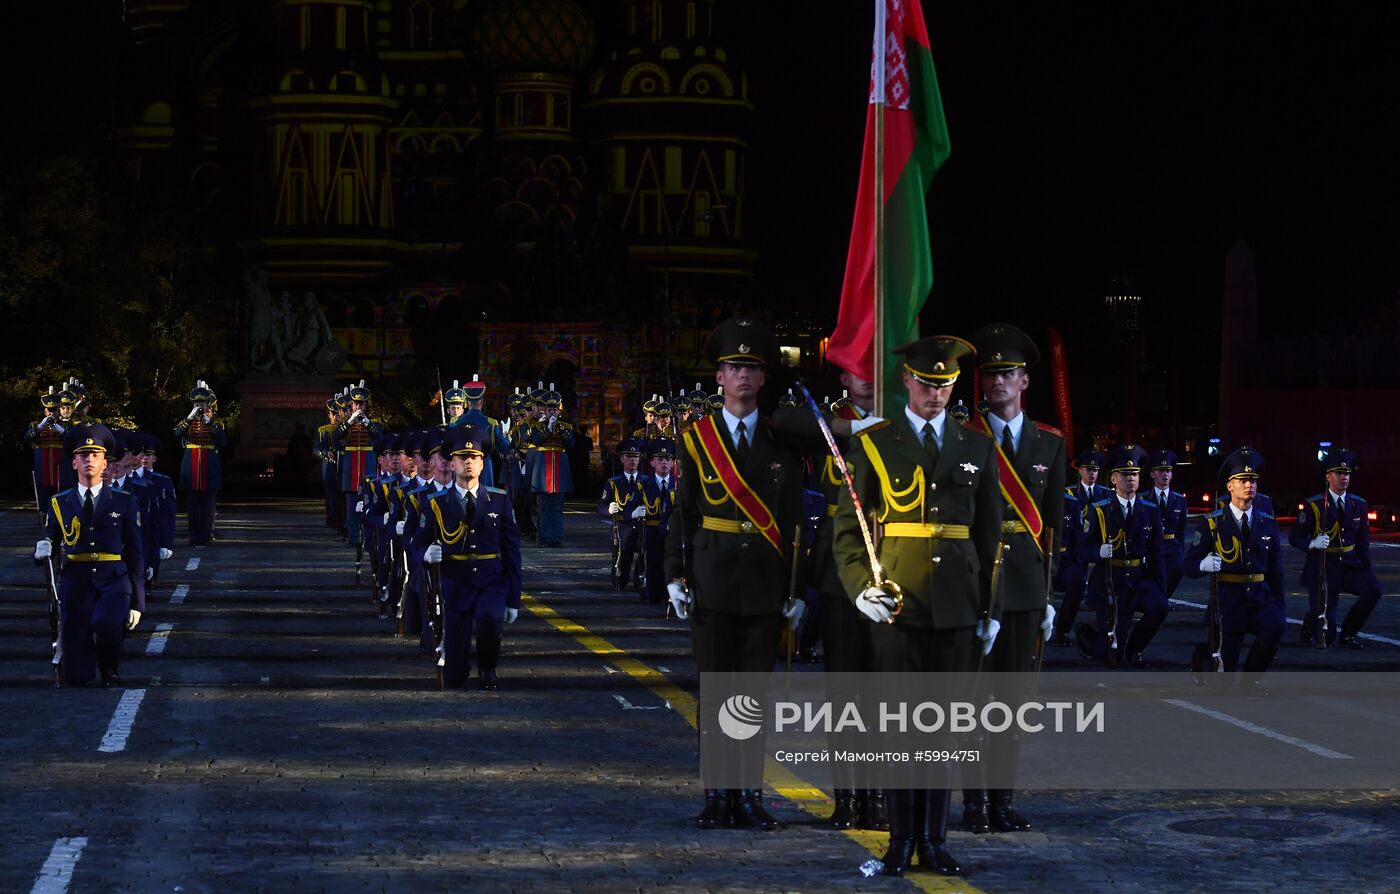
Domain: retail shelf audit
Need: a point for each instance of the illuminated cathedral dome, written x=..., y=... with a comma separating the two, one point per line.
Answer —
x=535, y=35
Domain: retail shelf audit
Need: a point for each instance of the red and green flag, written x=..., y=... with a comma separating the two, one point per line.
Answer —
x=904, y=92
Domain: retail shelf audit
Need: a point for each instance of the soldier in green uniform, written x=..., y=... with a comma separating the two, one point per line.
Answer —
x=932, y=486
x=728, y=546
x=1031, y=472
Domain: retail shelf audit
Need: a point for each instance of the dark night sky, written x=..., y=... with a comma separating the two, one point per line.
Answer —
x=1092, y=141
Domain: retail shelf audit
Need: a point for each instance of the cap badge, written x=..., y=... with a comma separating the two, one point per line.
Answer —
x=938, y=365
x=744, y=322
x=743, y=349
x=997, y=356
x=88, y=443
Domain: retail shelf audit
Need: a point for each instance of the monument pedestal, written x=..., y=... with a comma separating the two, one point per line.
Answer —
x=272, y=404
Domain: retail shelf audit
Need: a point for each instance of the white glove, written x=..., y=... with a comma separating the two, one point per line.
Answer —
x=208, y=418
x=133, y=617
x=857, y=425
x=511, y=615
x=1047, y=622
x=680, y=599
x=194, y=411
x=794, y=614
x=386, y=518
x=150, y=573
x=398, y=528
x=1211, y=563
x=166, y=553
x=987, y=632
x=1106, y=551
x=46, y=422
x=1321, y=541
x=43, y=549
x=360, y=507
x=639, y=512
x=433, y=554
x=872, y=604
x=614, y=509
x=59, y=427
x=355, y=415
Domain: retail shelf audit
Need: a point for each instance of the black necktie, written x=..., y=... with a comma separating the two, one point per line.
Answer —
x=930, y=443
x=1244, y=527
x=87, y=510
x=741, y=444
x=1128, y=515
x=1007, y=445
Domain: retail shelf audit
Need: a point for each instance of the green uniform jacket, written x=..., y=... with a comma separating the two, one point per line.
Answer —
x=946, y=581
x=1040, y=461
x=797, y=428
x=737, y=573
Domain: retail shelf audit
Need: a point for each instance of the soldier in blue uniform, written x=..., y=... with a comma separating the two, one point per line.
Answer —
x=550, y=475
x=121, y=474
x=1241, y=546
x=1172, y=505
x=1072, y=575
x=472, y=534
x=102, y=586
x=1335, y=524
x=201, y=473
x=413, y=607
x=336, y=410
x=658, y=502
x=1122, y=540
x=475, y=394
x=621, y=503
x=160, y=537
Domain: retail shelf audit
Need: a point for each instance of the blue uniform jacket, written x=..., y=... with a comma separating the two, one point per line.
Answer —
x=1351, y=534
x=1238, y=590
x=1142, y=543
x=480, y=556
x=1174, y=515
x=116, y=531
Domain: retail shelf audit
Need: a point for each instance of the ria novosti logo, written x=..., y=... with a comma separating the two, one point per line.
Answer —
x=740, y=717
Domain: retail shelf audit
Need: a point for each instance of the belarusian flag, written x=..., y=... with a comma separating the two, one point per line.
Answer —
x=915, y=139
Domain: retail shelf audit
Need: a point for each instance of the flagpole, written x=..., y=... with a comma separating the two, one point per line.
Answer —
x=878, y=192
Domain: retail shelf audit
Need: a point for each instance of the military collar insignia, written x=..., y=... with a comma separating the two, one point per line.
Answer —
x=969, y=468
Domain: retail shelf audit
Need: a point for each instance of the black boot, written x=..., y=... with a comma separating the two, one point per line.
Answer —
x=716, y=811
x=844, y=816
x=748, y=810
x=933, y=832
x=1003, y=816
x=900, y=803
x=1086, y=637
x=870, y=810
x=974, y=818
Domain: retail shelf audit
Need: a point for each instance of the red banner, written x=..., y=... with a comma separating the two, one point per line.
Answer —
x=706, y=434
x=1012, y=487
x=1059, y=383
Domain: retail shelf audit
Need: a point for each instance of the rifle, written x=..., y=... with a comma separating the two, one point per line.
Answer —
x=991, y=599
x=359, y=551
x=1320, y=629
x=789, y=637
x=433, y=576
x=616, y=557
x=1111, y=658
x=1206, y=656
x=55, y=609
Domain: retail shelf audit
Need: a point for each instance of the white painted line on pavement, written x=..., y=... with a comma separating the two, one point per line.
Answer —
x=192, y=564
x=156, y=644
x=178, y=596
x=1374, y=637
x=57, y=871
x=1245, y=725
x=114, y=739
x=628, y=706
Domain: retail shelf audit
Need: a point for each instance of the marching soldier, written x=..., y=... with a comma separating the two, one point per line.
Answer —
x=517, y=481
x=456, y=402
x=414, y=609
x=45, y=438
x=1334, y=525
x=682, y=412
x=122, y=462
x=932, y=485
x=658, y=501
x=650, y=429
x=1072, y=574
x=1122, y=543
x=728, y=553
x=102, y=585
x=472, y=534
x=1172, y=505
x=201, y=473
x=353, y=443
x=336, y=410
x=550, y=477
x=160, y=539
x=1031, y=471
x=475, y=394
x=621, y=503
x=1241, y=546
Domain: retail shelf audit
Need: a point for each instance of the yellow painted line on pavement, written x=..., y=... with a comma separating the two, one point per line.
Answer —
x=810, y=798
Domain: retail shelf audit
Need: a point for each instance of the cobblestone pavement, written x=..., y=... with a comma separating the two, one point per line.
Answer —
x=285, y=739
